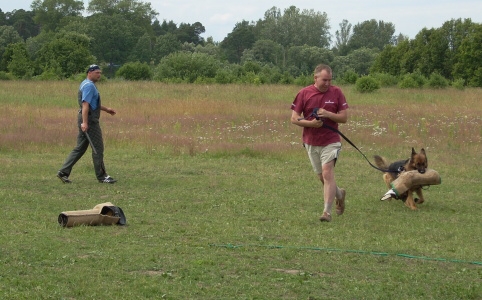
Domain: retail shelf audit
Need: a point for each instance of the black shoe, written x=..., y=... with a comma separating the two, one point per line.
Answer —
x=108, y=179
x=64, y=177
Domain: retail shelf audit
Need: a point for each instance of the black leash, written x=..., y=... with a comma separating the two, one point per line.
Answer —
x=350, y=142
x=314, y=114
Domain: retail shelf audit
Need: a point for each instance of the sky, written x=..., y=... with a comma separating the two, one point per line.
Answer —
x=220, y=16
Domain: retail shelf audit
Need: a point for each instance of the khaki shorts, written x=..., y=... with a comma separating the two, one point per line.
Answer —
x=322, y=155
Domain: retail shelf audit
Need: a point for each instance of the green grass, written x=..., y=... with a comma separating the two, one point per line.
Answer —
x=240, y=219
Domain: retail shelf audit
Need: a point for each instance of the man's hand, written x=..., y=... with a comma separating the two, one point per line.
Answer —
x=316, y=123
x=110, y=111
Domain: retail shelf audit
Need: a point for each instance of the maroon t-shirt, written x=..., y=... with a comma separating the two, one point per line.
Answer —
x=309, y=98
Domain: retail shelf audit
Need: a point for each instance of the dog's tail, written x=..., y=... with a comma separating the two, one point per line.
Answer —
x=381, y=162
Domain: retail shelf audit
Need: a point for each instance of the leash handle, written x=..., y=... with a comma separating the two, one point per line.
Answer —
x=90, y=142
x=314, y=114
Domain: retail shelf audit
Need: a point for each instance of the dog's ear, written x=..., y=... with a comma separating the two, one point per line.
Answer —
x=413, y=155
x=426, y=159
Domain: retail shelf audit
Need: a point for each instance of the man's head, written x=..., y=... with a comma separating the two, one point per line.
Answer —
x=94, y=73
x=322, y=77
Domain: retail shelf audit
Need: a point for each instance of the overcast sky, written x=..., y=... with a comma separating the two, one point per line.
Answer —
x=220, y=16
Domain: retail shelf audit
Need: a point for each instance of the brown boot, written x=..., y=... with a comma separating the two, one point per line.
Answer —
x=326, y=217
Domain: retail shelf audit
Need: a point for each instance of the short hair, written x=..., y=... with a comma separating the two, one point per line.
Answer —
x=322, y=67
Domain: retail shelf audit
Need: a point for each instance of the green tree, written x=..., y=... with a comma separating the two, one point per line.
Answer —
x=387, y=61
x=19, y=63
x=49, y=13
x=116, y=26
x=371, y=34
x=165, y=27
x=304, y=59
x=143, y=50
x=342, y=38
x=8, y=35
x=3, y=18
x=266, y=51
x=187, y=33
x=295, y=27
x=136, y=12
x=165, y=45
x=360, y=60
x=66, y=54
x=23, y=22
x=34, y=44
x=469, y=58
x=113, y=37
x=241, y=38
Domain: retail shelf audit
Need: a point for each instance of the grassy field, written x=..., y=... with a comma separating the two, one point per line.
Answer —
x=221, y=201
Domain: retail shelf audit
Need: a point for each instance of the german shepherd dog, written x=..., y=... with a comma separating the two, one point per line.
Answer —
x=417, y=161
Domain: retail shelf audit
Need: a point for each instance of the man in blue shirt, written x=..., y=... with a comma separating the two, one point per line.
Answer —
x=89, y=129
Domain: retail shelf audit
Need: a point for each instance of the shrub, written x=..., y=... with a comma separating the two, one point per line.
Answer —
x=437, y=81
x=252, y=66
x=224, y=76
x=186, y=66
x=459, y=84
x=286, y=78
x=385, y=79
x=304, y=80
x=349, y=77
x=407, y=82
x=412, y=80
x=5, y=76
x=135, y=71
x=367, y=84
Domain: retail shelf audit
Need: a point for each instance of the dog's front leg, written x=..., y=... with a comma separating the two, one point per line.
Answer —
x=410, y=203
x=420, y=196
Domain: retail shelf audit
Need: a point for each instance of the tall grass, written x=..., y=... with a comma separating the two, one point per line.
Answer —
x=221, y=201
x=210, y=118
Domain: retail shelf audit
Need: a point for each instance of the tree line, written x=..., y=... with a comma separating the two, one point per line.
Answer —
x=57, y=39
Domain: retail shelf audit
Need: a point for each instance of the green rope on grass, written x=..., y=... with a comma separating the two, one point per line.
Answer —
x=231, y=246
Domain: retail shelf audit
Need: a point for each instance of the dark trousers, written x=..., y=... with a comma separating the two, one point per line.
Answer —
x=95, y=134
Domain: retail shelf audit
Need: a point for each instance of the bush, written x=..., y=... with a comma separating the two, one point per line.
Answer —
x=459, y=84
x=304, y=80
x=5, y=76
x=286, y=78
x=367, y=84
x=407, y=82
x=437, y=81
x=385, y=79
x=135, y=71
x=224, y=76
x=349, y=77
x=186, y=67
x=412, y=80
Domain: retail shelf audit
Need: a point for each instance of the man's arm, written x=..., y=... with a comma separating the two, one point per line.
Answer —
x=297, y=119
x=85, y=116
x=108, y=110
x=340, y=117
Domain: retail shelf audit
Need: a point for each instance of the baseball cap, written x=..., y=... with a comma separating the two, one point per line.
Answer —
x=93, y=68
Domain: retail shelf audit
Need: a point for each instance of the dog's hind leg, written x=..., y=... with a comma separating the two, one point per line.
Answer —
x=388, y=179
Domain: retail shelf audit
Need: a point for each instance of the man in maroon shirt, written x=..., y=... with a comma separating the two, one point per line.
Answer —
x=329, y=106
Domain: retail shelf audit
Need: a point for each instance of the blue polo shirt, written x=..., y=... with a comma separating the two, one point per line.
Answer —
x=90, y=94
